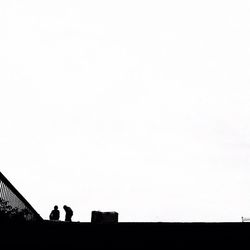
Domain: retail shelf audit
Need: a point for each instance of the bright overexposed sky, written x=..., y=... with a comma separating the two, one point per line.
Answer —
x=139, y=107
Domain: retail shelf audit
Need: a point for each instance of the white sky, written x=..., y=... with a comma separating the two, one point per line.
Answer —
x=142, y=107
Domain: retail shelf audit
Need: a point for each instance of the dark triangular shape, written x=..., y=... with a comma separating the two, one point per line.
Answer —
x=13, y=205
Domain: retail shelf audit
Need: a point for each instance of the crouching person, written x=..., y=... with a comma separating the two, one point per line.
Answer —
x=55, y=214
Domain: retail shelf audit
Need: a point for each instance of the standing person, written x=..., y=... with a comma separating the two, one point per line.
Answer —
x=55, y=214
x=68, y=213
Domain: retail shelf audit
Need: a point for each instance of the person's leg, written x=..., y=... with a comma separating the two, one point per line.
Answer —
x=67, y=218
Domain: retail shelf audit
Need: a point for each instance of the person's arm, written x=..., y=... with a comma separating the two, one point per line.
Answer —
x=51, y=215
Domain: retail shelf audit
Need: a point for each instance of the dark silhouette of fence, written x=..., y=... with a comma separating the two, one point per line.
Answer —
x=13, y=205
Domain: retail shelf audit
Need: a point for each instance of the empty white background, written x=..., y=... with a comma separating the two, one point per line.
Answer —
x=142, y=107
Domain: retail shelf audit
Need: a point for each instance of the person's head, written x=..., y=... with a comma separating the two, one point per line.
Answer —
x=56, y=207
x=64, y=207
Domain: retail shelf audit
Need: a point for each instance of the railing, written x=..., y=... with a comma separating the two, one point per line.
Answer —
x=13, y=204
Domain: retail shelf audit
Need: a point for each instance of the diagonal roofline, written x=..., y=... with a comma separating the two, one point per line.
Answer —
x=15, y=191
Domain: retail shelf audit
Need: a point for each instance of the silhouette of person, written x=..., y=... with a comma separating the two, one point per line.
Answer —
x=68, y=213
x=55, y=214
